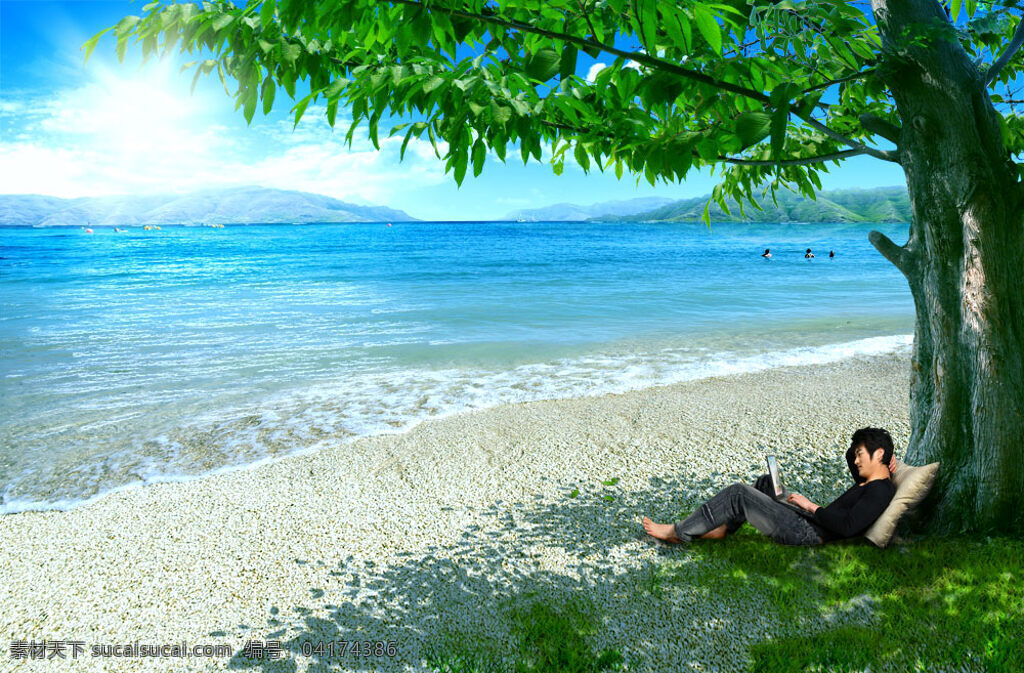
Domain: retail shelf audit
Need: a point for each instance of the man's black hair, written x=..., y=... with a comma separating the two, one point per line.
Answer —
x=872, y=439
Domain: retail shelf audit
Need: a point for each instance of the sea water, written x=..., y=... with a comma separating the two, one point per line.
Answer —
x=159, y=355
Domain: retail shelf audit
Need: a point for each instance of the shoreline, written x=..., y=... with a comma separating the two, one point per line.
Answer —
x=828, y=353
x=368, y=544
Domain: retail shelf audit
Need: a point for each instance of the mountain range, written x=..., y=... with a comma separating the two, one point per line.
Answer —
x=572, y=212
x=251, y=205
x=239, y=205
x=882, y=204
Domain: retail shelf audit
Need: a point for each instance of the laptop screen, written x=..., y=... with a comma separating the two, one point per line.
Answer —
x=773, y=470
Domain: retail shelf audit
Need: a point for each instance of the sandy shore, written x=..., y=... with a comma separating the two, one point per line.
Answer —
x=397, y=538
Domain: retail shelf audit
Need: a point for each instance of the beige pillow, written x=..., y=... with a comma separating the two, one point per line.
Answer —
x=912, y=485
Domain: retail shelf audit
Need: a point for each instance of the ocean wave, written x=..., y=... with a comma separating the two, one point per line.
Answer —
x=294, y=422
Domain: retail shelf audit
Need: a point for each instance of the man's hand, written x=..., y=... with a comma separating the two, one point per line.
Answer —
x=802, y=502
x=892, y=464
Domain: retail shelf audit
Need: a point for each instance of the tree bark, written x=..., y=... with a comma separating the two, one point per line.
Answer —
x=964, y=262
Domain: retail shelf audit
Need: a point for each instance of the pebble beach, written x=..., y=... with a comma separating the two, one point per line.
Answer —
x=402, y=538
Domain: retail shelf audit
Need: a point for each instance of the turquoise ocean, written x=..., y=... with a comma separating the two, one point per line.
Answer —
x=147, y=356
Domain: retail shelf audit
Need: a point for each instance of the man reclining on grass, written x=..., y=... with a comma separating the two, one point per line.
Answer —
x=871, y=461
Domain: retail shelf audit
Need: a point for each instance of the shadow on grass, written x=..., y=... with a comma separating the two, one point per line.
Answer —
x=937, y=604
x=571, y=585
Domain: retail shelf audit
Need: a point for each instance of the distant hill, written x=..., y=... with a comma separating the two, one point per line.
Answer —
x=571, y=212
x=882, y=204
x=240, y=205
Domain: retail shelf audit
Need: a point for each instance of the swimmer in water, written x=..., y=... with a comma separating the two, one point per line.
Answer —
x=808, y=254
x=767, y=253
x=831, y=254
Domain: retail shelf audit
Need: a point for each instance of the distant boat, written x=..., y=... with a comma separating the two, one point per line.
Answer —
x=118, y=230
x=88, y=231
x=521, y=219
x=389, y=224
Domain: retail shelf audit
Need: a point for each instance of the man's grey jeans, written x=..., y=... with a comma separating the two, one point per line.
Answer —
x=741, y=502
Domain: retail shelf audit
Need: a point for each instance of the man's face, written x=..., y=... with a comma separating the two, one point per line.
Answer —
x=863, y=460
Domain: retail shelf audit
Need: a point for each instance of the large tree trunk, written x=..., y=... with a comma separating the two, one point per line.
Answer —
x=964, y=261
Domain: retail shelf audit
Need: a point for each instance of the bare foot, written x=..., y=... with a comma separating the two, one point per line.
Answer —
x=662, y=531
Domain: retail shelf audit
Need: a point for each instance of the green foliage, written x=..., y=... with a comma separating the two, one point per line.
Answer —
x=716, y=83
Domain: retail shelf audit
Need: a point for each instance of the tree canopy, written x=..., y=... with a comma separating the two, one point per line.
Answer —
x=735, y=84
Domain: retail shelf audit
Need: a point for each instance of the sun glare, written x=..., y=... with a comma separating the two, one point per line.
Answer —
x=141, y=112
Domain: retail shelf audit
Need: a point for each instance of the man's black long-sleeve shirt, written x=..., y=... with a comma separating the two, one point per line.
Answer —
x=855, y=510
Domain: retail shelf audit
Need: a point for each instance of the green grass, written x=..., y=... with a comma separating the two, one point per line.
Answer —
x=546, y=636
x=938, y=604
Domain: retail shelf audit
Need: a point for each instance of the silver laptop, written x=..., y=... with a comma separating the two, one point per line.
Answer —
x=779, y=488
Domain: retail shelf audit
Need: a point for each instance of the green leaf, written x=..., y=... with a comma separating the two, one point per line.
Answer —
x=374, y=119
x=954, y=9
x=405, y=143
x=611, y=482
x=421, y=28
x=543, y=65
x=267, y=92
x=479, y=154
x=780, y=115
x=752, y=127
x=432, y=84
x=673, y=26
x=567, y=66
x=582, y=158
x=575, y=493
x=267, y=12
x=250, y=105
x=222, y=21
x=124, y=26
x=708, y=27
x=647, y=17
x=499, y=113
x=300, y=108
x=290, y=53
x=332, y=111
x=461, y=160
x=610, y=498
x=91, y=42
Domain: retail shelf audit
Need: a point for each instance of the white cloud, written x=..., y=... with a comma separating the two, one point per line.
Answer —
x=594, y=69
x=117, y=135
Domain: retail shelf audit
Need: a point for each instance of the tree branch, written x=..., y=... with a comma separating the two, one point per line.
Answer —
x=898, y=255
x=793, y=162
x=825, y=85
x=881, y=127
x=586, y=15
x=640, y=57
x=1004, y=58
x=885, y=155
x=728, y=160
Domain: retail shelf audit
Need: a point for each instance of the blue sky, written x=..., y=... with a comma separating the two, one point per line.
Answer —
x=70, y=129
